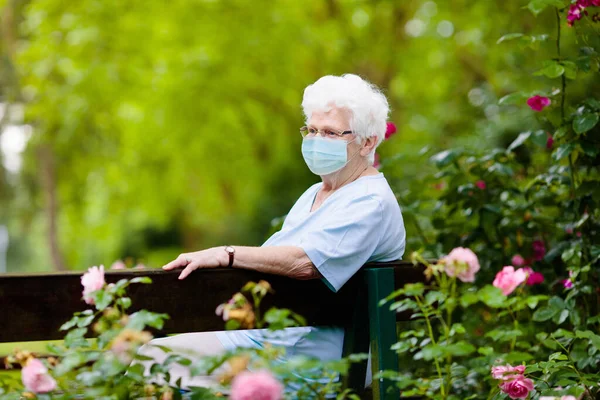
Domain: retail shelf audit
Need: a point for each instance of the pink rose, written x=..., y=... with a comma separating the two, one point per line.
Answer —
x=567, y=283
x=508, y=279
x=518, y=388
x=518, y=260
x=533, y=278
x=259, y=385
x=539, y=250
x=223, y=309
x=538, y=103
x=506, y=372
x=574, y=14
x=480, y=184
x=36, y=378
x=390, y=129
x=462, y=263
x=92, y=281
x=118, y=265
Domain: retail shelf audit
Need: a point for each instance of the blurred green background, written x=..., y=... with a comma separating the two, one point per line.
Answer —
x=139, y=129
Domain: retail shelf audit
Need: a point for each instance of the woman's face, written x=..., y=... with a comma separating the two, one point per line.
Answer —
x=338, y=119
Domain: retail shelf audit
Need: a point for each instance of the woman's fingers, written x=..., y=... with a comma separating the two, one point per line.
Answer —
x=179, y=262
x=189, y=269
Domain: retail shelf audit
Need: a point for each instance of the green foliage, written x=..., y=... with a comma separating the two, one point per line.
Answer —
x=537, y=196
x=172, y=127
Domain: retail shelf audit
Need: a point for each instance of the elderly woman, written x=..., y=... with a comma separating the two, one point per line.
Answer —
x=336, y=226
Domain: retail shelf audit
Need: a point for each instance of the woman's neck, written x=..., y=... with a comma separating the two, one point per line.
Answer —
x=333, y=182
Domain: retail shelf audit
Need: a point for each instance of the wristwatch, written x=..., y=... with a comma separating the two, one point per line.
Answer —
x=231, y=251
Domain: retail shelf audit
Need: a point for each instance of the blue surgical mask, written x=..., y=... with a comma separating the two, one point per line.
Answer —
x=324, y=156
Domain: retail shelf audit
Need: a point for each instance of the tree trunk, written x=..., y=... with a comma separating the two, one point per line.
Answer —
x=48, y=177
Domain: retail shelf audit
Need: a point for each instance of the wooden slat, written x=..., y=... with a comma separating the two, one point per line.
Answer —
x=35, y=305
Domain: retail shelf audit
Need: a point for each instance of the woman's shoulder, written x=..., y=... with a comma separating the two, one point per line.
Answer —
x=375, y=187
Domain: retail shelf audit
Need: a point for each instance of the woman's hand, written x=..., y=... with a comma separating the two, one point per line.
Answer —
x=209, y=258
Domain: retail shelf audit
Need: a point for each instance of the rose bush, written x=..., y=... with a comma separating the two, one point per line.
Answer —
x=530, y=211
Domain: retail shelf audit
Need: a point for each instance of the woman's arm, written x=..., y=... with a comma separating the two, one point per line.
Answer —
x=289, y=261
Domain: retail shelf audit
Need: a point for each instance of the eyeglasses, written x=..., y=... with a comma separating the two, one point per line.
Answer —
x=307, y=131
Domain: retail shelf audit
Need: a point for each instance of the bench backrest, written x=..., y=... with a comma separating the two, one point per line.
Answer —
x=34, y=306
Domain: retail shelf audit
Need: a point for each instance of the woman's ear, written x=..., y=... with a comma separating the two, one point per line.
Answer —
x=368, y=145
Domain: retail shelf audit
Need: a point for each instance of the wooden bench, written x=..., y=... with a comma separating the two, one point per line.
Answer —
x=35, y=305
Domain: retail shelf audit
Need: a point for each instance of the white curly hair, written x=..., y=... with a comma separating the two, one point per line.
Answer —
x=368, y=106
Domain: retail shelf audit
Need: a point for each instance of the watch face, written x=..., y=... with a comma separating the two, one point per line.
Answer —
x=229, y=249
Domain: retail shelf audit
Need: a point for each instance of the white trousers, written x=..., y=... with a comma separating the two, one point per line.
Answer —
x=190, y=345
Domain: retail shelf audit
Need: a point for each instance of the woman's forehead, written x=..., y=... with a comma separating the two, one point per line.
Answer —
x=335, y=116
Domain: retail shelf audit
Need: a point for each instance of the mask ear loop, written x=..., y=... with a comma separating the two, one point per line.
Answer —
x=347, y=161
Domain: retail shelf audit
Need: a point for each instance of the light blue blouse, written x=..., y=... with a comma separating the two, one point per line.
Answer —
x=358, y=223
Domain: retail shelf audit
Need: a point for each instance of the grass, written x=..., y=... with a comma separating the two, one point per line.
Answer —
x=36, y=347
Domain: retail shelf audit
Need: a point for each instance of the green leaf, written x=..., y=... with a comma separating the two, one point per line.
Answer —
x=556, y=303
x=537, y=6
x=102, y=299
x=562, y=317
x=593, y=103
x=201, y=393
x=540, y=138
x=595, y=251
x=457, y=329
x=69, y=362
x=503, y=335
x=461, y=348
x=143, y=318
x=403, y=305
x=485, y=351
x=178, y=359
x=558, y=356
x=430, y=352
x=414, y=289
x=124, y=302
x=585, y=122
x=513, y=98
x=563, y=151
x=509, y=36
x=570, y=69
x=594, y=339
x=434, y=296
x=544, y=313
x=85, y=321
x=492, y=296
x=532, y=301
x=560, y=133
x=522, y=138
x=232, y=325
x=142, y=357
x=551, y=69
x=141, y=279
x=444, y=158
x=468, y=298
x=69, y=324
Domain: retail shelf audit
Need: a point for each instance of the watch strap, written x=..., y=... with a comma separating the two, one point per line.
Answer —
x=231, y=251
